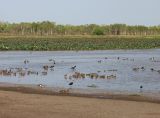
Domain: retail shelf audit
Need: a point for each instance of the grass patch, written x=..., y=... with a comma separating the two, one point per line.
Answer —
x=79, y=43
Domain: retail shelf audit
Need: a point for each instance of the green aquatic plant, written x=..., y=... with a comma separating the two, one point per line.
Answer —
x=78, y=43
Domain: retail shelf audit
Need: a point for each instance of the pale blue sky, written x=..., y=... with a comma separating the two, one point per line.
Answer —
x=132, y=12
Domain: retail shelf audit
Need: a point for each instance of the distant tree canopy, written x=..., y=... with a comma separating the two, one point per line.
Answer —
x=98, y=31
x=47, y=28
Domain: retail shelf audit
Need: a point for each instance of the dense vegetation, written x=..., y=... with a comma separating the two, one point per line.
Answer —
x=47, y=28
x=51, y=36
x=79, y=43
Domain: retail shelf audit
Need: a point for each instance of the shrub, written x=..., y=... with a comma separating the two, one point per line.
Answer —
x=98, y=31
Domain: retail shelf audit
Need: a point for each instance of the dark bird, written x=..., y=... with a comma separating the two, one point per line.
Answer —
x=26, y=61
x=100, y=61
x=54, y=62
x=51, y=66
x=45, y=67
x=71, y=83
x=142, y=68
x=73, y=68
x=141, y=87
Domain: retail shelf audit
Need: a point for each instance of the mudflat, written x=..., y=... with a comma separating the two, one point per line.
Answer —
x=22, y=105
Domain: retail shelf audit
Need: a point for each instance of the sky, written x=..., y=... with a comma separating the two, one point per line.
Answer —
x=76, y=12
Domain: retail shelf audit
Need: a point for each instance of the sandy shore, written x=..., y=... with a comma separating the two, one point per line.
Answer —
x=22, y=105
x=24, y=101
x=87, y=93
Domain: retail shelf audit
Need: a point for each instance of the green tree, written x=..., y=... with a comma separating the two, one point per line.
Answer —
x=98, y=31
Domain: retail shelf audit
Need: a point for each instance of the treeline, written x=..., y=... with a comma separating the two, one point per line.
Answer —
x=47, y=28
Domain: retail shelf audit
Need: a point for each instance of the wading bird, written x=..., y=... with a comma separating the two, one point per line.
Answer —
x=73, y=68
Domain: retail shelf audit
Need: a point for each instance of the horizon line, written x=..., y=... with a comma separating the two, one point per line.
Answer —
x=39, y=21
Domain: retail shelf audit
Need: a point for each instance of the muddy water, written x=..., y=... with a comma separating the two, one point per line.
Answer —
x=118, y=70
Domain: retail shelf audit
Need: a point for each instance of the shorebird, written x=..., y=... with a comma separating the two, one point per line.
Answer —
x=54, y=62
x=52, y=66
x=40, y=85
x=99, y=61
x=71, y=83
x=142, y=68
x=152, y=58
x=44, y=73
x=141, y=87
x=45, y=67
x=73, y=68
x=26, y=61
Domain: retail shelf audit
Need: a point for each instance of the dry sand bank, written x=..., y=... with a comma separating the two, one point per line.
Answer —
x=21, y=105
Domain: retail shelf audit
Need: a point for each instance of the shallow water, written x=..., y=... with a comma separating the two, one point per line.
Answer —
x=119, y=63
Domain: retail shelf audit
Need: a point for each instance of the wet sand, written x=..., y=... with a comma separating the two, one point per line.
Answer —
x=22, y=105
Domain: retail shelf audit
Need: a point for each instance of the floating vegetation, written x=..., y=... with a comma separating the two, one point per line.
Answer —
x=78, y=43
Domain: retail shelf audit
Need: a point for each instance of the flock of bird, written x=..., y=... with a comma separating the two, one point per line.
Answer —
x=26, y=71
x=71, y=76
x=136, y=69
